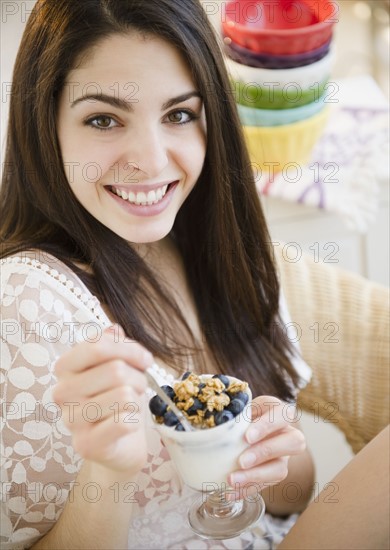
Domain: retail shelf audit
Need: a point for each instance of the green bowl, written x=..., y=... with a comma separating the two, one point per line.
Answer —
x=290, y=96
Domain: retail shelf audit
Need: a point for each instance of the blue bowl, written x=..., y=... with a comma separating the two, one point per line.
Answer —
x=251, y=116
x=267, y=61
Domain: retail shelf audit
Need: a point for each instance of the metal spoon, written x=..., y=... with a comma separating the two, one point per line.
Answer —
x=153, y=384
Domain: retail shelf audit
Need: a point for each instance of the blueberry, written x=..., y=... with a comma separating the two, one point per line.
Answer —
x=235, y=406
x=223, y=416
x=170, y=419
x=186, y=375
x=179, y=427
x=208, y=413
x=197, y=406
x=224, y=379
x=241, y=395
x=157, y=406
x=169, y=391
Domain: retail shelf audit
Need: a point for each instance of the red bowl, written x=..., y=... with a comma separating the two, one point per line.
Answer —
x=280, y=27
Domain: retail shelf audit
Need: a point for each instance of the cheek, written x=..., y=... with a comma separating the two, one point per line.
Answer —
x=200, y=158
x=87, y=165
x=195, y=155
x=83, y=157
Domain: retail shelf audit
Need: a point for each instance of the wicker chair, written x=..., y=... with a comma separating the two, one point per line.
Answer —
x=342, y=322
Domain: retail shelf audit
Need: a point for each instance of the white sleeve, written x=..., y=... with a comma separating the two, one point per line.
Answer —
x=43, y=314
x=300, y=366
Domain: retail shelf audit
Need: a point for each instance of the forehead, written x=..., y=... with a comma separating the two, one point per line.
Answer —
x=132, y=60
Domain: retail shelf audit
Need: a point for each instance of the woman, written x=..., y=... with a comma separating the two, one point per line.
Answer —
x=132, y=233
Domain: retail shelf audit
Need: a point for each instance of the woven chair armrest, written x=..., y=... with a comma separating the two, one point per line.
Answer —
x=342, y=321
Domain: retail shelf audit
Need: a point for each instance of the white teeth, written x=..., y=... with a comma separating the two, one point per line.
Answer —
x=141, y=198
x=151, y=196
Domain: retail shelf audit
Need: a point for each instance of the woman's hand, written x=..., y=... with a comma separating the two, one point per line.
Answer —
x=101, y=392
x=273, y=439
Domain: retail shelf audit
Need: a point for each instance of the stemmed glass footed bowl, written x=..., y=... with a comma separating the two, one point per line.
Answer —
x=204, y=458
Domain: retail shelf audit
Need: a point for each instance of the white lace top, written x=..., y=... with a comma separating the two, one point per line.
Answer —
x=46, y=309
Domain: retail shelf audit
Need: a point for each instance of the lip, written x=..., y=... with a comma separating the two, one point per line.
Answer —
x=146, y=210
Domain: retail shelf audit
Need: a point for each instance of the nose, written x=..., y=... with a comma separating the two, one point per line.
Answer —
x=147, y=150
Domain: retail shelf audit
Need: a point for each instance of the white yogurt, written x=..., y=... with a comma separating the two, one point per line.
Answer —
x=204, y=458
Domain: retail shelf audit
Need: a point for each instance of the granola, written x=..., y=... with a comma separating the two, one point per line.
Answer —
x=206, y=401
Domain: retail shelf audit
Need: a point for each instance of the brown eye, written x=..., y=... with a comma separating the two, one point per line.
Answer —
x=179, y=117
x=103, y=122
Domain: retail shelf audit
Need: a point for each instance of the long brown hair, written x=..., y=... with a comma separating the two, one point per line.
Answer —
x=220, y=230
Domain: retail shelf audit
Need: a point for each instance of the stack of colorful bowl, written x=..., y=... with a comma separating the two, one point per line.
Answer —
x=279, y=58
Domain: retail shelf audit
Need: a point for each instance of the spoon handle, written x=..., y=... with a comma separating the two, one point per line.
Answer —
x=153, y=384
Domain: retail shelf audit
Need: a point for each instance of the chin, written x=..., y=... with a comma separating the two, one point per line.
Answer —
x=145, y=235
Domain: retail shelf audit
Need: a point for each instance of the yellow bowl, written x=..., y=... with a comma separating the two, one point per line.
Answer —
x=275, y=147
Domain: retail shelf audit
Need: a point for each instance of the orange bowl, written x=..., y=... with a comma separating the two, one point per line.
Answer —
x=280, y=27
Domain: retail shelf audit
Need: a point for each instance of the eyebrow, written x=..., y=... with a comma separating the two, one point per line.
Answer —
x=128, y=105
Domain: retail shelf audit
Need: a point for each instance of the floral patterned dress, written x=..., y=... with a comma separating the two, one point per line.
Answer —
x=45, y=310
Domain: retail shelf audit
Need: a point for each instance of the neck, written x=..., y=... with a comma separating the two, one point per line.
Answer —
x=158, y=253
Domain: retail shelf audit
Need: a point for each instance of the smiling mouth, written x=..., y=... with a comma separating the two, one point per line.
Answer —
x=141, y=198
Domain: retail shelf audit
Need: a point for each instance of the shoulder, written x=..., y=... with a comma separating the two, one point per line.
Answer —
x=42, y=317
x=37, y=276
x=45, y=309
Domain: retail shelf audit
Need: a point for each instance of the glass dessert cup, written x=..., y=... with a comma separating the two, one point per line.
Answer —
x=204, y=458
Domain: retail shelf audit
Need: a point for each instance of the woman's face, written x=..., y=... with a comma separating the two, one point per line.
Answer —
x=132, y=132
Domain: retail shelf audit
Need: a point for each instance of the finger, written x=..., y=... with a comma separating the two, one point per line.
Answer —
x=119, y=445
x=114, y=374
x=87, y=354
x=111, y=428
x=123, y=403
x=110, y=404
x=266, y=406
x=263, y=426
x=269, y=473
x=97, y=380
x=287, y=442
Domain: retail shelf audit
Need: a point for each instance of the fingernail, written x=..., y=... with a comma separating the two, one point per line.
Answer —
x=247, y=460
x=115, y=329
x=253, y=434
x=238, y=477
